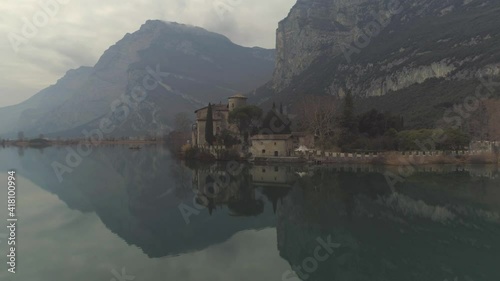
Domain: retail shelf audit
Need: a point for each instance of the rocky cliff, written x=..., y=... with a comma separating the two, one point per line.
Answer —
x=379, y=49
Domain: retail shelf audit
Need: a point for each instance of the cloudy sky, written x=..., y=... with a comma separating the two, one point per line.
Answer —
x=66, y=34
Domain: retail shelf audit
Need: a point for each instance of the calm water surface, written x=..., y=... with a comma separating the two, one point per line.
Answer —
x=145, y=215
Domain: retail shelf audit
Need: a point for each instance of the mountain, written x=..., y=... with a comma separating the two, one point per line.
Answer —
x=25, y=115
x=413, y=57
x=172, y=67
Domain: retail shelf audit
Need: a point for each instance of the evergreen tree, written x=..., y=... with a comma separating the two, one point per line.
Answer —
x=247, y=118
x=209, y=126
x=274, y=106
x=348, y=123
x=347, y=120
x=281, y=108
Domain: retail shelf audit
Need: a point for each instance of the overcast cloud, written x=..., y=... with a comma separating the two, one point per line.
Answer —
x=81, y=30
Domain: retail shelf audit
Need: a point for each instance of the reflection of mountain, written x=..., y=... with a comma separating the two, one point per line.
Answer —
x=437, y=226
x=426, y=231
x=137, y=196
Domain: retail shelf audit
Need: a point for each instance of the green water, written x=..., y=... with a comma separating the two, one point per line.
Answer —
x=144, y=214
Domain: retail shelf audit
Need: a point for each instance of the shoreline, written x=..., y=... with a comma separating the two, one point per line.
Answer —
x=28, y=144
x=390, y=159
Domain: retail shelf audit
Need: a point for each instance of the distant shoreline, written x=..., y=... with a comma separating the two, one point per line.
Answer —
x=49, y=143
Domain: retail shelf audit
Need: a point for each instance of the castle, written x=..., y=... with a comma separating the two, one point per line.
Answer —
x=220, y=115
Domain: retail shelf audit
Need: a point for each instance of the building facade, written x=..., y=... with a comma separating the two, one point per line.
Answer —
x=272, y=145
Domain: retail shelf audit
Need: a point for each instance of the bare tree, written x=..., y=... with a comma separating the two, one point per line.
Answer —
x=493, y=109
x=484, y=123
x=317, y=116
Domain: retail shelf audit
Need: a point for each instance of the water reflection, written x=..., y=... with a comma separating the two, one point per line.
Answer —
x=240, y=190
x=442, y=223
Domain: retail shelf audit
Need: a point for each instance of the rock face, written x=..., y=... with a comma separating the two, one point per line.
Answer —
x=315, y=28
x=174, y=67
x=378, y=48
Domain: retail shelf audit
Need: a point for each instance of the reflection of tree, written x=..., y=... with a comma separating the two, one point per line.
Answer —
x=216, y=187
x=246, y=207
x=389, y=236
x=275, y=195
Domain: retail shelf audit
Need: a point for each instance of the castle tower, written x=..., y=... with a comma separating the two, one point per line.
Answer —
x=236, y=101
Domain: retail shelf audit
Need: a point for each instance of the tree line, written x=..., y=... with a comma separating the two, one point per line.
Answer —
x=336, y=126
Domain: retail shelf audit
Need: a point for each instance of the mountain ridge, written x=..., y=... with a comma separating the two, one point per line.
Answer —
x=202, y=66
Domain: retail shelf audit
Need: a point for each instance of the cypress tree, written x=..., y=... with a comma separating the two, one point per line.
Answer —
x=347, y=122
x=209, y=126
x=348, y=113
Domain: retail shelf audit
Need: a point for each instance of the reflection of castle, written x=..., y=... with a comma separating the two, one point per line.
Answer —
x=272, y=176
x=220, y=115
x=217, y=188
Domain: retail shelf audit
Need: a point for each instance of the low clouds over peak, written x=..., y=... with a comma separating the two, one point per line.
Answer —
x=67, y=34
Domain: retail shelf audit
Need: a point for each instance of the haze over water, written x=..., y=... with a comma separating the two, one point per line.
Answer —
x=121, y=210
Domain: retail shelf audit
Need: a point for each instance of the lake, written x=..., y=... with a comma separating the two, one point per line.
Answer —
x=122, y=215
